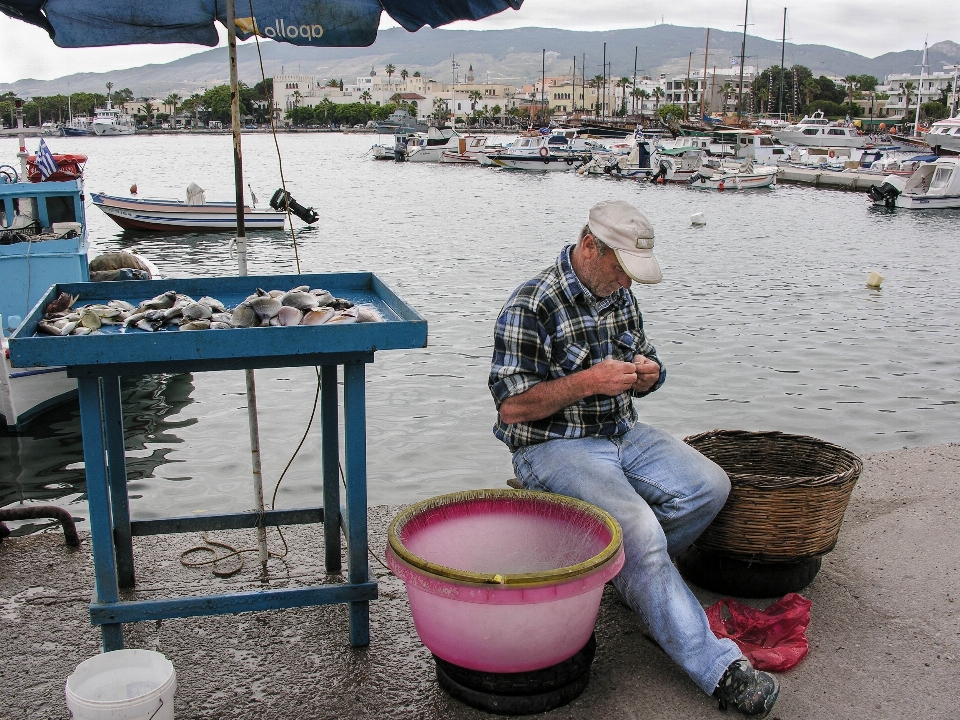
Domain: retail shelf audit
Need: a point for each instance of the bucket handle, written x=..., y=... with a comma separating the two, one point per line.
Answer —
x=157, y=710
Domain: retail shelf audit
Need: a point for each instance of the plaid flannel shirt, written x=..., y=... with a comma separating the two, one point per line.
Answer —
x=552, y=326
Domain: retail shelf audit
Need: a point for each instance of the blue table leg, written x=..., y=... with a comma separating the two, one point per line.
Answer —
x=117, y=476
x=98, y=498
x=330, y=446
x=355, y=441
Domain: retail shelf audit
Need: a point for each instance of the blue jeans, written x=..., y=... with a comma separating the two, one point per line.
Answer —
x=664, y=494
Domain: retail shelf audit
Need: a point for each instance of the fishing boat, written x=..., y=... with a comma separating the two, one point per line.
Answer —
x=933, y=186
x=818, y=131
x=744, y=177
x=944, y=135
x=43, y=240
x=109, y=121
x=401, y=120
x=677, y=164
x=77, y=127
x=193, y=215
x=468, y=151
x=636, y=164
x=430, y=146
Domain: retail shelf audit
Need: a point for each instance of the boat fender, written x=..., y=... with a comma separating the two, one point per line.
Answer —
x=832, y=153
x=569, y=161
x=720, y=185
x=544, y=152
x=693, y=178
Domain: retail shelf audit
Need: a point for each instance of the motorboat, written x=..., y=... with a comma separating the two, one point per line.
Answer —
x=401, y=120
x=636, y=164
x=944, y=135
x=195, y=214
x=933, y=186
x=109, y=121
x=468, y=152
x=745, y=177
x=676, y=164
x=430, y=146
x=43, y=241
x=77, y=127
x=553, y=152
x=818, y=131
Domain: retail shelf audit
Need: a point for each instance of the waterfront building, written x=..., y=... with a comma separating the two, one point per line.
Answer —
x=933, y=86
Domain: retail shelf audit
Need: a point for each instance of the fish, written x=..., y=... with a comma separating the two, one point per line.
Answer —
x=266, y=307
x=212, y=303
x=220, y=317
x=201, y=324
x=276, y=293
x=317, y=317
x=63, y=303
x=160, y=302
x=340, y=304
x=244, y=316
x=368, y=313
x=300, y=300
x=134, y=319
x=323, y=297
x=197, y=311
x=149, y=325
x=344, y=317
x=81, y=330
x=173, y=313
x=289, y=316
x=90, y=319
x=219, y=326
x=300, y=288
x=47, y=328
x=121, y=305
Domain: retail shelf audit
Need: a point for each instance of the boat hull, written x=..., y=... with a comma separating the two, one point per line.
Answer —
x=167, y=216
x=27, y=392
x=734, y=181
x=935, y=202
x=539, y=163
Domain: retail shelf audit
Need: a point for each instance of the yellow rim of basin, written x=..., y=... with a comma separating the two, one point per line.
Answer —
x=542, y=577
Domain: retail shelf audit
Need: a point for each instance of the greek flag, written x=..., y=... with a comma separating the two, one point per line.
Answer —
x=45, y=162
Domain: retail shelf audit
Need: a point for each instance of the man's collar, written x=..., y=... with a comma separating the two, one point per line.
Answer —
x=573, y=288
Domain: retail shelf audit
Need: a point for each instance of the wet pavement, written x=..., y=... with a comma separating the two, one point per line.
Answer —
x=884, y=635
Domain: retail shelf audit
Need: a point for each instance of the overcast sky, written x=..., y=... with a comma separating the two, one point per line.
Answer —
x=868, y=27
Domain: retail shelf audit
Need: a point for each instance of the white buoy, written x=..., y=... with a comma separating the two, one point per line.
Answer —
x=697, y=220
x=874, y=280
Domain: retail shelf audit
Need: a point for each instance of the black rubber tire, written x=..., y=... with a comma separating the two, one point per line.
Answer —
x=514, y=704
x=545, y=680
x=730, y=576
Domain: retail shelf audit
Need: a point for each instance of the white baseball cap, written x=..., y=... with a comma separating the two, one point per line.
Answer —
x=619, y=225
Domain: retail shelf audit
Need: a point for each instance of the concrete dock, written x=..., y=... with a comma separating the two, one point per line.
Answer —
x=884, y=636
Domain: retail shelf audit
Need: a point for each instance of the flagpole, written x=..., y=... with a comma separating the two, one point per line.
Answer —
x=242, y=260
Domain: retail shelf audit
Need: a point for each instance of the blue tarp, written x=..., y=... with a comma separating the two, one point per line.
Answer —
x=320, y=23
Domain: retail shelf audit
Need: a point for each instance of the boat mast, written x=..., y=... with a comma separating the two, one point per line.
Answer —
x=916, y=122
x=453, y=92
x=603, y=98
x=543, y=86
x=636, y=54
x=574, y=81
x=703, y=91
x=783, y=49
x=743, y=50
x=241, y=240
x=686, y=90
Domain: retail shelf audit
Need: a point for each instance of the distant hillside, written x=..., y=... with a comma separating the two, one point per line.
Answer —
x=512, y=56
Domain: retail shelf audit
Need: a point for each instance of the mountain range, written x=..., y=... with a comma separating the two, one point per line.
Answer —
x=506, y=56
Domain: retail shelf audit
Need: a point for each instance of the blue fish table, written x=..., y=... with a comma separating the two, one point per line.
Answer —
x=98, y=361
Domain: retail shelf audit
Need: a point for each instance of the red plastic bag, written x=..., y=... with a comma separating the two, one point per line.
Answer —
x=773, y=639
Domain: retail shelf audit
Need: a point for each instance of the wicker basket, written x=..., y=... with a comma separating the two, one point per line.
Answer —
x=788, y=495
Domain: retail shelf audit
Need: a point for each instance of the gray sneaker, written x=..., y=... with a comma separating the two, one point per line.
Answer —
x=750, y=691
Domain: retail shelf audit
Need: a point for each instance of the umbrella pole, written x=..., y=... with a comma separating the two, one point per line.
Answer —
x=242, y=261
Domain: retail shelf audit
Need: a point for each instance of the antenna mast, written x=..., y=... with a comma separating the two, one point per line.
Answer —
x=743, y=50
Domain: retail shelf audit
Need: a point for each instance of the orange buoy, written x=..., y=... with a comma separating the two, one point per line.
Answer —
x=133, y=189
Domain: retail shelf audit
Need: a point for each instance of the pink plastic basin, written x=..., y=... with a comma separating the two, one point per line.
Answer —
x=504, y=580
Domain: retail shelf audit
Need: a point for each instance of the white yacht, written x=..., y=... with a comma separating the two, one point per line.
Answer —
x=944, y=135
x=430, y=146
x=934, y=186
x=817, y=131
x=112, y=121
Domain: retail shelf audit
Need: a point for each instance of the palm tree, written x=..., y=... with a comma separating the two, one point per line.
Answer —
x=908, y=88
x=390, y=70
x=417, y=74
x=148, y=110
x=641, y=95
x=331, y=83
x=657, y=94
x=853, y=84
x=297, y=97
x=404, y=74
x=396, y=98
x=810, y=88
x=726, y=91
x=622, y=83
x=173, y=99
x=365, y=97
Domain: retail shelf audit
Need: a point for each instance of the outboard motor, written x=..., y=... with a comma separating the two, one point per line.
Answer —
x=886, y=194
x=281, y=200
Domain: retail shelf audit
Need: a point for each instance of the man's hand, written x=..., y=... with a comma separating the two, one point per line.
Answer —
x=612, y=377
x=647, y=373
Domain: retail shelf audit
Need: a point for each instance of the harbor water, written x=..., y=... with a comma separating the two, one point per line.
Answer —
x=764, y=319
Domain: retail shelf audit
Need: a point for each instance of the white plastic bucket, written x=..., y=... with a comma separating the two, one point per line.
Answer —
x=123, y=685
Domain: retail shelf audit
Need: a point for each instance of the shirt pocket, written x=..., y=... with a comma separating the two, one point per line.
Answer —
x=568, y=358
x=626, y=346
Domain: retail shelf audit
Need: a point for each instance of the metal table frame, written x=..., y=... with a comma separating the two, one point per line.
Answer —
x=112, y=530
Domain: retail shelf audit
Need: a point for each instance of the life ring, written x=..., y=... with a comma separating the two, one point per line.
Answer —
x=569, y=161
x=544, y=152
x=832, y=153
